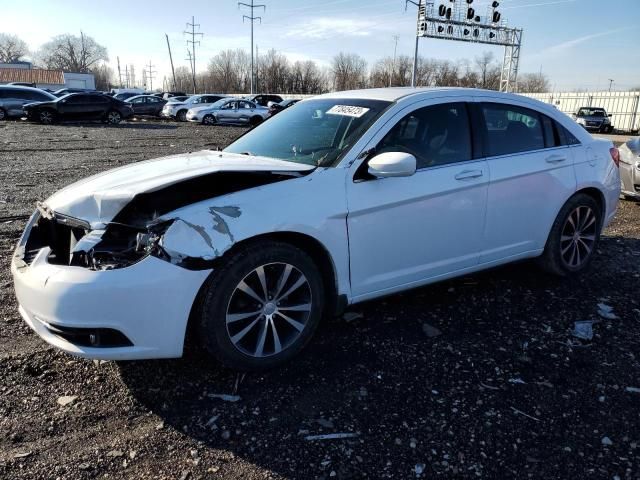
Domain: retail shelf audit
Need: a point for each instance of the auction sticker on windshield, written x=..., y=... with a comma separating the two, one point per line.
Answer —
x=348, y=110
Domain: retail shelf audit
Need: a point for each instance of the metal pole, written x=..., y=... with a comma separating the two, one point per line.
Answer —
x=252, y=71
x=415, y=64
x=173, y=72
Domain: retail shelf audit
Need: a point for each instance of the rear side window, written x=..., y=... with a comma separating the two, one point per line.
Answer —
x=435, y=135
x=511, y=129
x=565, y=136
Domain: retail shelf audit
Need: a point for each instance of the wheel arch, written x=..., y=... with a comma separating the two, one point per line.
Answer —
x=597, y=195
x=334, y=303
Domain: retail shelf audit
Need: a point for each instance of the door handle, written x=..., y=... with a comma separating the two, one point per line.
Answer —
x=555, y=159
x=468, y=174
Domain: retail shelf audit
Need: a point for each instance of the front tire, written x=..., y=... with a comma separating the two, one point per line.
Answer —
x=3, y=114
x=46, y=117
x=261, y=307
x=574, y=237
x=114, y=117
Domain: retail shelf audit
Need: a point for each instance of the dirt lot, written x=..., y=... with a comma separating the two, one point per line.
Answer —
x=504, y=391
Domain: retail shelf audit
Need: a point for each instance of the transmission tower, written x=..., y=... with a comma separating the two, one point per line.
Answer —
x=193, y=43
x=150, y=74
x=415, y=51
x=252, y=19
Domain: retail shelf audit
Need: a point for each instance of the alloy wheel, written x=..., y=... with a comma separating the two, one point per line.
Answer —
x=114, y=117
x=268, y=310
x=46, y=117
x=208, y=120
x=578, y=236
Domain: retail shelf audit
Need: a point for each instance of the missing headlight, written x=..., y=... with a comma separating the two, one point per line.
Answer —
x=118, y=246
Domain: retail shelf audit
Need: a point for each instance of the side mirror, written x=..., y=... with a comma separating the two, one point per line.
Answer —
x=392, y=164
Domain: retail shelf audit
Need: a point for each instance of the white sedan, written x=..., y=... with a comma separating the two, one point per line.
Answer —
x=229, y=110
x=342, y=198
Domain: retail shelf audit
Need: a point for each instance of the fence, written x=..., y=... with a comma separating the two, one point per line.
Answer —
x=625, y=106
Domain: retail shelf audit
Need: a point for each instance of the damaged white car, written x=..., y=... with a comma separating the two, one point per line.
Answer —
x=342, y=198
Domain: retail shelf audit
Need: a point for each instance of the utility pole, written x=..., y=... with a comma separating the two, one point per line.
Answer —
x=173, y=72
x=119, y=73
x=393, y=65
x=150, y=73
x=193, y=43
x=192, y=70
x=415, y=52
x=610, y=83
x=126, y=74
x=252, y=19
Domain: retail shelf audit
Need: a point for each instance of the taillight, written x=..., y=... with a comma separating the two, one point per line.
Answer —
x=615, y=156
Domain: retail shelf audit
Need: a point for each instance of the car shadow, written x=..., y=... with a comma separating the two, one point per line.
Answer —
x=385, y=377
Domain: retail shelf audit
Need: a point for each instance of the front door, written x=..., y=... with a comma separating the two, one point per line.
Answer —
x=408, y=231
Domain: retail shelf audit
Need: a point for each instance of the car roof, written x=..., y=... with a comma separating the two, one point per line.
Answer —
x=22, y=87
x=392, y=94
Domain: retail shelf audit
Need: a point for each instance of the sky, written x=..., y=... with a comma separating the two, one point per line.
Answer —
x=578, y=44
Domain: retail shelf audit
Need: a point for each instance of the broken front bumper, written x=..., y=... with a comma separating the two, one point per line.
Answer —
x=148, y=303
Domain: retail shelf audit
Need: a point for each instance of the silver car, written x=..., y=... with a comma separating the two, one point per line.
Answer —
x=630, y=168
x=13, y=98
x=229, y=110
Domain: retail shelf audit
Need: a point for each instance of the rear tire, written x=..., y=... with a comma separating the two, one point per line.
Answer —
x=181, y=116
x=280, y=289
x=574, y=237
x=256, y=120
x=3, y=114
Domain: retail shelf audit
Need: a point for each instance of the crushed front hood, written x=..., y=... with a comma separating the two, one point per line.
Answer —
x=99, y=198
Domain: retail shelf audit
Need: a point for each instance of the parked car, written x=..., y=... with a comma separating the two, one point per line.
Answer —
x=13, y=98
x=168, y=95
x=630, y=168
x=79, y=106
x=346, y=197
x=264, y=99
x=179, y=98
x=22, y=84
x=594, y=119
x=65, y=91
x=278, y=107
x=178, y=110
x=146, y=104
x=229, y=111
x=125, y=96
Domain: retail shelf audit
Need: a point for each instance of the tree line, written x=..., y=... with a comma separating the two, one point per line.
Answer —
x=229, y=71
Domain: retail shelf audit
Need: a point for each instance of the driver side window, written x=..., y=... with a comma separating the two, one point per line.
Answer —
x=435, y=135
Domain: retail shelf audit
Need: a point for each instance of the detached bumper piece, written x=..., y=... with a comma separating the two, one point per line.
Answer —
x=90, y=337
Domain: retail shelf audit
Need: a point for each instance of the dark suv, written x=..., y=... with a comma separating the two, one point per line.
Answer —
x=13, y=98
x=264, y=99
x=79, y=106
x=594, y=118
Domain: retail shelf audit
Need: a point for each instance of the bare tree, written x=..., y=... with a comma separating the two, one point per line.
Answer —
x=71, y=53
x=533, y=83
x=426, y=72
x=103, y=76
x=484, y=63
x=446, y=74
x=12, y=48
x=274, y=72
x=184, y=81
x=349, y=71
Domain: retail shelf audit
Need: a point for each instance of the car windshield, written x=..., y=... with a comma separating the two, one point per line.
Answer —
x=314, y=132
x=591, y=112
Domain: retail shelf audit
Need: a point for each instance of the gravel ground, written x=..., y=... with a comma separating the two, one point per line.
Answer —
x=478, y=377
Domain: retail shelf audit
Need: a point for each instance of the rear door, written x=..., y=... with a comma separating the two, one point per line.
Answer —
x=532, y=176
x=407, y=231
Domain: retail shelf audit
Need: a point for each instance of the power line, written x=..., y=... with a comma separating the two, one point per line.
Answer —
x=252, y=19
x=193, y=42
